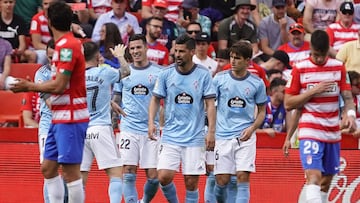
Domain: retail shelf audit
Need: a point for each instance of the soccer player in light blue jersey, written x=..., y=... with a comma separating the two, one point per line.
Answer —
x=41, y=75
x=100, y=139
x=241, y=99
x=134, y=92
x=187, y=92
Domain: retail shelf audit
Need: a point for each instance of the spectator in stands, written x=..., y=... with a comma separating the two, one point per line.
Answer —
x=169, y=31
x=297, y=48
x=273, y=29
x=278, y=61
x=156, y=52
x=272, y=74
x=195, y=28
x=319, y=14
x=349, y=54
x=189, y=12
x=126, y=22
x=5, y=61
x=39, y=33
x=222, y=59
x=13, y=29
x=344, y=30
x=275, y=114
x=215, y=16
x=98, y=7
x=172, y=11
x=314, y=88
x=200, y=57
x=30, y=110
x=109, y=37
x=223, y=6
x=26, y=10
x=238, y=26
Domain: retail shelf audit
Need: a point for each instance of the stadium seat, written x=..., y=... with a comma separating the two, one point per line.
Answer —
x=10, y=104
x=21, y=70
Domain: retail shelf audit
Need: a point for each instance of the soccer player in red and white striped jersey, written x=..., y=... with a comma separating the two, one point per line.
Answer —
x=314, y=87
x=344, y=30
x=70, y=116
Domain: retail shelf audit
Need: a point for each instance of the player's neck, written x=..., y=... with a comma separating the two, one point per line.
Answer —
x=186, y=68
x=239, y=73
x=141, y=64
x=58, y=34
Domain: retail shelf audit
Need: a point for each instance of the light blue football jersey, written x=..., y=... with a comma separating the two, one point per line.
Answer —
x=99, y=82
x=184, y=96
x=236, y=99
x=136, y=90
x=41, y=75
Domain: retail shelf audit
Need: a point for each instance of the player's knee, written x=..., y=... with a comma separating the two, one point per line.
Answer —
x=222, y=179
x=191, y=182
x=243, y=176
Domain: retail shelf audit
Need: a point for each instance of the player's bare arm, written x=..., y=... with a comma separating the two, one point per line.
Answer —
x=349, y=117
x=153, y=109
x=292, y=123
x=211, y=114
x=246, y=134
x=119, y=52
x=56, y=86
x=296, y=101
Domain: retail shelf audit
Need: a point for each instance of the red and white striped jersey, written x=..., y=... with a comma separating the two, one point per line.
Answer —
x=338, y=34
x=173, y=9
x=296, y=54
x=39, y=25
x=99, y=6
x=158, y=53
x=320, y=115
x=68, y=59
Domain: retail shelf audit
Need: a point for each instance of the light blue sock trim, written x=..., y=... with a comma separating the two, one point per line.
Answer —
x=243, y=193
x=209, y=194
x=169, y=192
x=150, y=188
x=129, y=188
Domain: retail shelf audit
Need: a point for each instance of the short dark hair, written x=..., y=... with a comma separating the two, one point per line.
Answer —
x=60, y=15
x=153, y=18
x=194, y=23
x=188, y=41
x=276, y=82
x=320, y=41
x=90, y=50
x=50, y=44
x=273, y=71
x=242, y=48
x=138, y=37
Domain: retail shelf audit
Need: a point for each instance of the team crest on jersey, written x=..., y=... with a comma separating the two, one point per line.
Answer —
x=196, y=84
x=66, y=54
x=309, y=159
x=236, y=102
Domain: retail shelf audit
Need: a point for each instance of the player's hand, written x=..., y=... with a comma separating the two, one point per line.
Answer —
x=324, y=86
x=246, y=134
x=283, y=22
x=22, y=85
x=286, y=147
x=152, y=131
x=349, y=123
x=210, y=141
x=119, y=50
x=117, y=109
